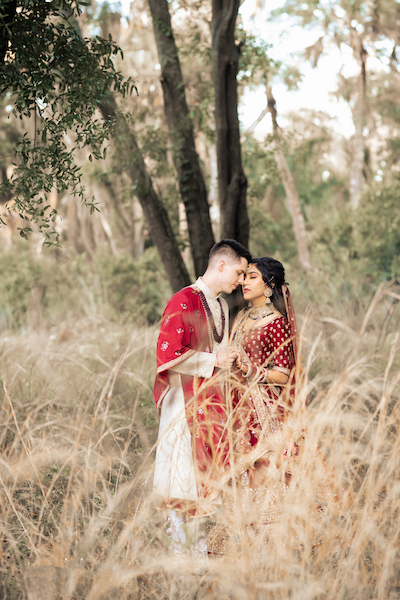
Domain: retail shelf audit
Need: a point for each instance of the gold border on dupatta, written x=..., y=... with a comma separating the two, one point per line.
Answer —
x=172, y=363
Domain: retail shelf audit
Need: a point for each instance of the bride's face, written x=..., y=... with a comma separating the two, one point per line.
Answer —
x=254, y=286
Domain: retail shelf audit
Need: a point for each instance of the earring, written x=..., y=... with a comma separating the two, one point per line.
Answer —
x=268, y=293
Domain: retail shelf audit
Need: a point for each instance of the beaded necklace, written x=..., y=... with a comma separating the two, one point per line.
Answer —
x=217, y=337
x=258, y=313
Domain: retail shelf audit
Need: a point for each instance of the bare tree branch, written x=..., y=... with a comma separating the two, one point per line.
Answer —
x=290, y=188
x=155, y=214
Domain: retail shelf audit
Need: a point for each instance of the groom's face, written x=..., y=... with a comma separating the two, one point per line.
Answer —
x=232, y=274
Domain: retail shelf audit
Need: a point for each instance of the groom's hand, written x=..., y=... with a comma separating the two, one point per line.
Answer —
x=225, y=358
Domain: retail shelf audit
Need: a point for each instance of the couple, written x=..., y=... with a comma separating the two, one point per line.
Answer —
x=221, y=402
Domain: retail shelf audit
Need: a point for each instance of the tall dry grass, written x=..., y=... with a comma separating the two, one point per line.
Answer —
x=78, y=428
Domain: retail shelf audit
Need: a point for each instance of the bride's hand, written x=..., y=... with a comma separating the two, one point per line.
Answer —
x=242, y=366
x=238, y=362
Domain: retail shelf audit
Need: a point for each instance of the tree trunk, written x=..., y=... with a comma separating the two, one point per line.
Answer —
x=357, y=165
x=232, y=182
x=186, y=161
x=155, y=214
x=290, y=189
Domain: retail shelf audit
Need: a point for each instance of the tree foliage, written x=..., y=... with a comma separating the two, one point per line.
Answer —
x=56, y=94
x=57, y=78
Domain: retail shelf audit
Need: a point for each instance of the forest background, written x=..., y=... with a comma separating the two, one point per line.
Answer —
x=89, y=258
x=330, y=208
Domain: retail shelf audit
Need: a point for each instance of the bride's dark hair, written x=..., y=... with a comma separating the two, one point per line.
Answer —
x=273, y=273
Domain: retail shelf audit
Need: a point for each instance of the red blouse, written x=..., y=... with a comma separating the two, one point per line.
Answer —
x=270, y=344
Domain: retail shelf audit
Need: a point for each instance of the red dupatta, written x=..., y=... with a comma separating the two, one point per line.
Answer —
x=183, y=332
x=291, y=317
x=297, y=373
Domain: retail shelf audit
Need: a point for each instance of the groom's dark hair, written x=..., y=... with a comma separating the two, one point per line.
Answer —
x=229, y=248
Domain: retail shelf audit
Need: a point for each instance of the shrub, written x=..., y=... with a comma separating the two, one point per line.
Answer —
x=34, y=288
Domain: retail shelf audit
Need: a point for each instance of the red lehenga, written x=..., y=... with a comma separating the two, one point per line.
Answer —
x=261, y=409
x=262, y=429
x=264, y=440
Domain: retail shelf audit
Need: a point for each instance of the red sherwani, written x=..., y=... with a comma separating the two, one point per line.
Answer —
x=192, y=451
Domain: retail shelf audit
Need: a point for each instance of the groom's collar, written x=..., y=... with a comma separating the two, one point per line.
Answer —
x=209, y=294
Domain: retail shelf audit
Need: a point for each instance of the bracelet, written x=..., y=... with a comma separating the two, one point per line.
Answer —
x=265, y=378
x=249, y=372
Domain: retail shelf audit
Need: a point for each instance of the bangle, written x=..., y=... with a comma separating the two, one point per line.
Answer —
x=265, y=378
x=249, y=371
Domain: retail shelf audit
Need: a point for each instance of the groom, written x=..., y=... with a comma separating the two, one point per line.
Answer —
x=191, y=348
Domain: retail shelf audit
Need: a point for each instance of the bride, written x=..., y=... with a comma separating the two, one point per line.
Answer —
x=264, y=337
x=267, y=430
x=260, y=392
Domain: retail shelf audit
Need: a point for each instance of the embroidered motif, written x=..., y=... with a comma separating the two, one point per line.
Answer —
x=197, y=313
x=180, y=330
x=184, y=306
x=178, y=353
x=164, y=345
x=167, y=319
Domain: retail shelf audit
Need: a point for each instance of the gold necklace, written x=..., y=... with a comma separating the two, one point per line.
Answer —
x=258, y=313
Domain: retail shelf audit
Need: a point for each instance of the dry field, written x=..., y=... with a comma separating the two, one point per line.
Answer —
x=78, y=427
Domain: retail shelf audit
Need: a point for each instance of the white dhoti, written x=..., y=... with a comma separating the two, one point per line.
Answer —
x=174, y=475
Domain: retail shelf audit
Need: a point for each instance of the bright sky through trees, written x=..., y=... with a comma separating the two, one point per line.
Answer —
x=315, y=91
